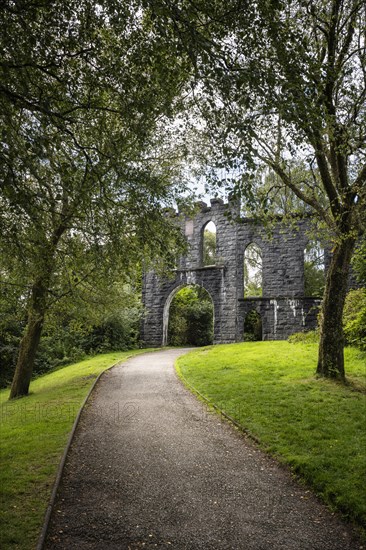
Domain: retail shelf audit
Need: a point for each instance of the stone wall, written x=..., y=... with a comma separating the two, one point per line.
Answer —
x=283, y=307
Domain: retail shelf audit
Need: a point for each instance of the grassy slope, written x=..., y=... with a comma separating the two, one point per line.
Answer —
x=34, y=431
x=316, y=426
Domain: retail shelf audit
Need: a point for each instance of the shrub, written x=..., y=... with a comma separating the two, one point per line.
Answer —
x=119, y=331
x=9, y=346
x=359, y=261
x=199, y=323
x=191, y=318
x=354, y=318
x=252, y=327
x=68, y=341
x=308, y=337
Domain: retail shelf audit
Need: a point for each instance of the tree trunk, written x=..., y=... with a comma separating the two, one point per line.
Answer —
x=30, y=341
x=331, y=347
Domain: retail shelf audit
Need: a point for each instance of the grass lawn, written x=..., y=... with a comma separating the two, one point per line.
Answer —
x=316, y=426
x=34, y=431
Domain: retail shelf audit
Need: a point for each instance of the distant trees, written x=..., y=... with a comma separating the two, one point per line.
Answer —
x=253, y=271
x=252, y=327
x=209, y=246
x=314, y=269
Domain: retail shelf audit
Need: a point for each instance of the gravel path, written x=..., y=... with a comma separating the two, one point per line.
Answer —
x=150, y=467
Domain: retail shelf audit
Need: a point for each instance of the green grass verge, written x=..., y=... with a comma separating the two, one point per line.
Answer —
x=34, y=431
x=318, y=427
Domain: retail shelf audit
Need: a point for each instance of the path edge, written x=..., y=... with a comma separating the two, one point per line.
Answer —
x=218, y=410
x=61, y=465
x=358, y=531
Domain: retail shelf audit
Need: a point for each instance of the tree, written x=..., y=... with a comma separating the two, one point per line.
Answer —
x=87, y=164
x=283, y=85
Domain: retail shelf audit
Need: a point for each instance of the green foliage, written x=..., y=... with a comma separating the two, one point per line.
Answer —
x=200, y=324
x=253, y=289
x=252, y=271
x=309, y=337
x=106, y=319
x=12, y=324
x=314, y=271
x=10, y=336
x=252, y=327
x=209, y=247
x=191, y=318
x=313, y=425
x=354, y=322
x=65, y=344
x=276, y=115
x=89, y=155
x=359, y=262
x=354, y=318
x=314, y=280
x=120, y=331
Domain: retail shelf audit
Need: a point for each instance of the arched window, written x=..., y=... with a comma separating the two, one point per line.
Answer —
x=209, y=244
x=252, y=271
x=314, y=270
x=252, y=327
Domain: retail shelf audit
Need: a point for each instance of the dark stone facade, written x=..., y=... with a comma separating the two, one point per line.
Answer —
x=283, y=308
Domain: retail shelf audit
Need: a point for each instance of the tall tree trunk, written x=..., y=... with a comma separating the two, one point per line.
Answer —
x=331, y=347
x=30, y=340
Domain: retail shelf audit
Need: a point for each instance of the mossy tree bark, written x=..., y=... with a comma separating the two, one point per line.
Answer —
x=331, y=347
x=30, y=341
x=38, y=304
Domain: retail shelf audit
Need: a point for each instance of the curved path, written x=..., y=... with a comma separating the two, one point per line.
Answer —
x=150, y=467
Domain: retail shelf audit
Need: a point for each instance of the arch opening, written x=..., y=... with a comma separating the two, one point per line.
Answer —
x=188, y=317
x=314, y=269
x=253, y=279
x=253, y=330
x=209, y=245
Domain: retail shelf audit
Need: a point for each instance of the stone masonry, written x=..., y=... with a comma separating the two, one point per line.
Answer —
x=283, y=307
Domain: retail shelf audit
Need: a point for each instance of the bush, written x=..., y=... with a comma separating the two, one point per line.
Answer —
x=359, y=262
x=119, y=331
x=9, y=346
x=252, y=327
x=354, y=318
x=68, y=341
x=191, y=318
x=12, y=323
x=199, y=321
x=309, y=337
